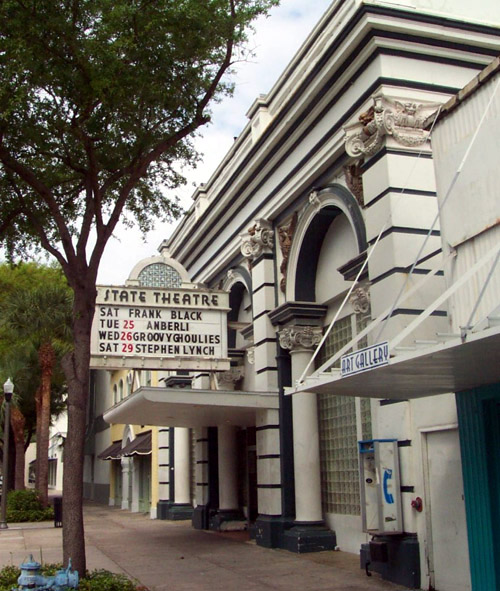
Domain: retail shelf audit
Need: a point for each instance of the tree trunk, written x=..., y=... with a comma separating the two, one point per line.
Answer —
x=76, y=370
x=47, y=359
x=18, y=422
x=38, y=409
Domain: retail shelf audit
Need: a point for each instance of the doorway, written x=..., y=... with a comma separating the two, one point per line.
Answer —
x=447, y=547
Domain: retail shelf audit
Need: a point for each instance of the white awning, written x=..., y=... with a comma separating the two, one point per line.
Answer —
x=451, y=366
x=183, y=407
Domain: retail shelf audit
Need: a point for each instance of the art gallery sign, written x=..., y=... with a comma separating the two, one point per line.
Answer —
x=153, y=328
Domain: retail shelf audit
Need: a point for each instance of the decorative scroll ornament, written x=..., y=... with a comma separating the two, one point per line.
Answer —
x=360, y=301
x=300, y=337
x=258, y=239
x=251, y=355
x=404, y=121
x=229, y=378
x=285, y=235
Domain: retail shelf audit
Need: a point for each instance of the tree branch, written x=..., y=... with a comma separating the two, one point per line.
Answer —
x=28, y=176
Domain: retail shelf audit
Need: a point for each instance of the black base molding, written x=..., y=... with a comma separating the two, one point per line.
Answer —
x=396, y=558
x=269, y=530
x=173, y=511
x=227, y=520
x=199, y=519
x=309, y=538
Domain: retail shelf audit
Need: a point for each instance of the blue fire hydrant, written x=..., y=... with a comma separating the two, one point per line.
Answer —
x=30, y=578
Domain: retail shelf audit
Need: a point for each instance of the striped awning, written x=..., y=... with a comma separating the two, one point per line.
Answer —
x=140, y=446
x=113, y=452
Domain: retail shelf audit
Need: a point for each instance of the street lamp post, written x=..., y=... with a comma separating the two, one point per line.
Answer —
x=8, y=390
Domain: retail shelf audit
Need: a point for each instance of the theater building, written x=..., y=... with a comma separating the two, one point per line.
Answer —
x=356, y=310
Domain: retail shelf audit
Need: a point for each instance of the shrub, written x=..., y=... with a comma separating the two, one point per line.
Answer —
x=8, y=577
x=103, y=580
x=25, y=505
x=10, y=574
x=98, y=580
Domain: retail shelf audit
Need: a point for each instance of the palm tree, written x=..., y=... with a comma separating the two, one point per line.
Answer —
x=40, y=317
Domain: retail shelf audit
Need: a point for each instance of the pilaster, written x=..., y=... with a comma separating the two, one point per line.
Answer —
x=391, y=148
x=258, y=246
x=163, y=472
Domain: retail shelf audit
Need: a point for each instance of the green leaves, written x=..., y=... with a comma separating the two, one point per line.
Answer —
x=95, y=95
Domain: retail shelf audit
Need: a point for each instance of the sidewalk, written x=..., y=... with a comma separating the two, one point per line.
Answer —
x=166, y=555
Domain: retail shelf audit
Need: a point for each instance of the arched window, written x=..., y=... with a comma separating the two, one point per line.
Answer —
x=115, y=394
x=120, y=390
x=159, y=275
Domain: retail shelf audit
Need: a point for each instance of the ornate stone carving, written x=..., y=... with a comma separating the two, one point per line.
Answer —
x=227, y=379
x=404, y=121
x=354, y=181
x=258, y=239
x=251, y=355
x=360, y=300
x=285, y=235
x=300, y=337
x=314, y=199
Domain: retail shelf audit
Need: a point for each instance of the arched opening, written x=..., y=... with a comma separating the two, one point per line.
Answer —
x=337, y=219
x=329, y=242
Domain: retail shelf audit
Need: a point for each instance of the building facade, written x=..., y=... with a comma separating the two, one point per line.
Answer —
x=322, y=223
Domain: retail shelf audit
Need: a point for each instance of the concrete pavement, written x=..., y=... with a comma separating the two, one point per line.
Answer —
x=166, y=555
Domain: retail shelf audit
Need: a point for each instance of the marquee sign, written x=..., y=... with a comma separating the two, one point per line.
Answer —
x=153, y=328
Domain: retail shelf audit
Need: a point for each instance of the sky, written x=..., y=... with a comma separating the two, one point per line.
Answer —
x=275, y=42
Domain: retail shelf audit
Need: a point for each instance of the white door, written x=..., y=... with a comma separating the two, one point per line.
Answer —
x=449, y=551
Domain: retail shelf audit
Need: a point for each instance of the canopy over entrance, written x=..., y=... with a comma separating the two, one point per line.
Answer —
x=452, y=366
x=181, y=407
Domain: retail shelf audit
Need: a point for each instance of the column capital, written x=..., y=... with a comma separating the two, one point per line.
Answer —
x=403, y=119
x=300, y=337
x=258, y=239
x=227, y=379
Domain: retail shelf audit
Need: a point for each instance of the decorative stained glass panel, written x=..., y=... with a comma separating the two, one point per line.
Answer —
x=159, y=275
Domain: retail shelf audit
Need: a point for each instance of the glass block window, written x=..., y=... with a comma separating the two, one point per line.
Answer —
x=366, y=419
x=338, y=454
x=159, y=275
x=339, y=336
x=338, y=428
x=362, y=322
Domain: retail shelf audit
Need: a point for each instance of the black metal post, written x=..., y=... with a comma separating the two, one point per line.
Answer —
x=8, y=389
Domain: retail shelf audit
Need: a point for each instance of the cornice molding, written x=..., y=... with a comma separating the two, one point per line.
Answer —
x=306, y=312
